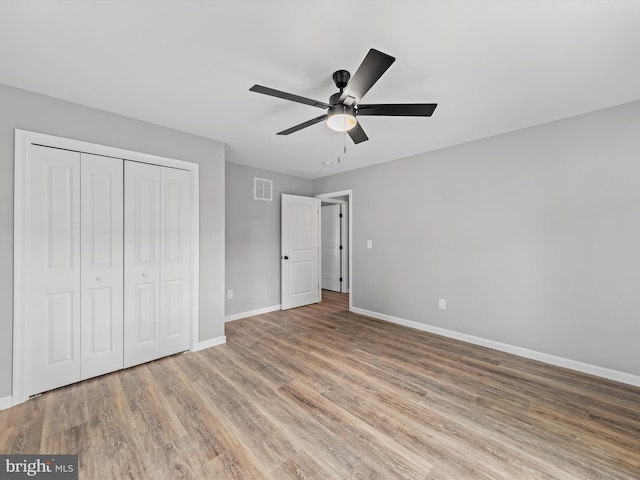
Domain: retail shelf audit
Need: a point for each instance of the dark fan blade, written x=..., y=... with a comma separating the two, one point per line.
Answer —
x=398, y=109
x=357, y=134
x=313, y=121
x=288, y=96
x=368, y=73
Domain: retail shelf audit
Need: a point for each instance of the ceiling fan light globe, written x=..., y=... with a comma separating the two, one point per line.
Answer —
x=341, y=118
x=341, y=122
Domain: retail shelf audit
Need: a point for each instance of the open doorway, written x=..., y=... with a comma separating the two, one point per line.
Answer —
x=336, y=243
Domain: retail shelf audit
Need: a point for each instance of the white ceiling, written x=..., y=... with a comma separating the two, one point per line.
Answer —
x=491, y=66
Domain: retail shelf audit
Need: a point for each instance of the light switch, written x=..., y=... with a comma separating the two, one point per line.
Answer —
x=369, y=243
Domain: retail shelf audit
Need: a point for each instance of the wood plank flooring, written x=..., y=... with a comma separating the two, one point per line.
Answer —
x=321, y=393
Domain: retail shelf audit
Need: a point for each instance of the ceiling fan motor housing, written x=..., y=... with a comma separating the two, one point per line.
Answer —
x=341, y=109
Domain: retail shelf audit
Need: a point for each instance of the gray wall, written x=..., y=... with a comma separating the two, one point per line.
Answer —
x=253, y=237
x=533, y=237
x=29, y=111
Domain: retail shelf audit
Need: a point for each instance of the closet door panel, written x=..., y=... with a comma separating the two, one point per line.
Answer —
x=174, y=261
x=102, y=264
x=53, y=285
x=142, y=263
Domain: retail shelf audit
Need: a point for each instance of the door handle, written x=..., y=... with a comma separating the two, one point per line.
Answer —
x=99, y=278
x=285, y=257
x=145, y=274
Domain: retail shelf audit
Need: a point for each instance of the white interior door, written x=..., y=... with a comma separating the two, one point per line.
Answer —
x=102, y=265
x=300, y=255
x=142, y=263
x=331, y=251
x=52, y=306
x=174, y=261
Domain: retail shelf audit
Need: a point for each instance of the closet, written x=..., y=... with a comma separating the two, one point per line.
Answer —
x=107, y=265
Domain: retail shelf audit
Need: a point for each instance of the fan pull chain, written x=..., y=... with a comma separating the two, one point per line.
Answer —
x=344, y=140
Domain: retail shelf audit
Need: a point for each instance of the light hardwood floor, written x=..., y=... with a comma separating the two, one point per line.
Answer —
x=321, y=393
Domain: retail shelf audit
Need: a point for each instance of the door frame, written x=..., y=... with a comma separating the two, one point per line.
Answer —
x=344, y=240
x=349, y=195
x=22, y=191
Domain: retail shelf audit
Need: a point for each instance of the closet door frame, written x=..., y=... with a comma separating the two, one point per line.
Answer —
x=24, y=139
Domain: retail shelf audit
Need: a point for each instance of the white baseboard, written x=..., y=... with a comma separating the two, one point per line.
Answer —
x=504, y=347
x=251, y=313
x=6, y=402
x=210, y=343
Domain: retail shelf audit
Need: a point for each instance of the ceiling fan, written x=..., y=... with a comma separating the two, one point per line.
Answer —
x=344, y=107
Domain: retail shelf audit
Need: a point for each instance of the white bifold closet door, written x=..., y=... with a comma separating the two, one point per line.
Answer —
x=101, y=256
x=74, y=281
x=157, y=257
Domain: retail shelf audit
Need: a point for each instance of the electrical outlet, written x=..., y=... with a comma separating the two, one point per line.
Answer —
x=229, y=294
x=442, y=303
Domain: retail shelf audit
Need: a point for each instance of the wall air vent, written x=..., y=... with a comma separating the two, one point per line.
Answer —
x=262, y=189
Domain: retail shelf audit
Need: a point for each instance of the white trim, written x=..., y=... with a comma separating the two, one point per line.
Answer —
x=6, y=402
x=195, y=255
x=504, y=347
x=23, y=140
x=21, y=208
x=213, y=342
x=97, y=149
x=333, y=201
x=348, y=193
x=251, y=313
